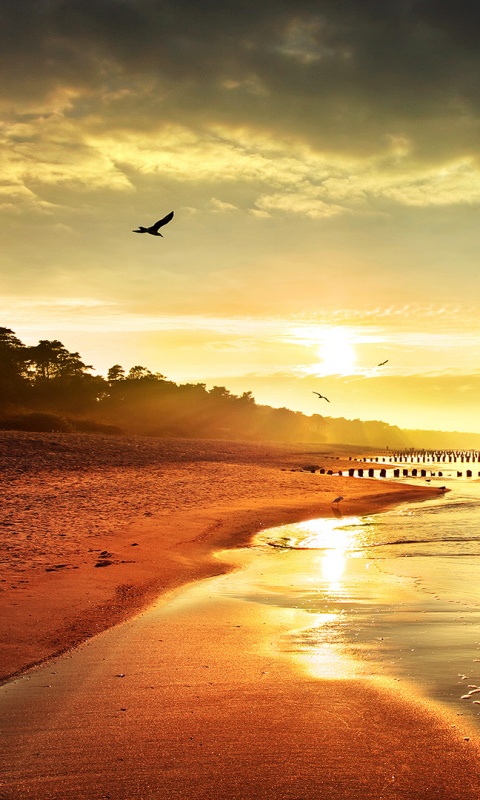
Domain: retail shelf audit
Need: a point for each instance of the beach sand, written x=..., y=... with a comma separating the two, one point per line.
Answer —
x=93, y=528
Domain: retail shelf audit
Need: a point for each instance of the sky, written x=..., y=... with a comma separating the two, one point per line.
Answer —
x=322, y=161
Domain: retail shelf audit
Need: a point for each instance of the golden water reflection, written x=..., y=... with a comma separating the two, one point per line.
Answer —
x=336, y=537
x=319, y=649
x=320, y=646
x=325, y=533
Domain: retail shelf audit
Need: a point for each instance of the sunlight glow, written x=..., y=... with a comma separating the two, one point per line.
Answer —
x=327, y=534
x=333, y=566
x=337, y=353
x=333, y=344
x=335, y=537
x=324, y=656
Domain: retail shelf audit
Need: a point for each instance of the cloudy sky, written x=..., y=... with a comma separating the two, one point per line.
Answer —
x=322, y=160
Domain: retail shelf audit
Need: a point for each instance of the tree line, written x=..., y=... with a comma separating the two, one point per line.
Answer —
x=46, y=387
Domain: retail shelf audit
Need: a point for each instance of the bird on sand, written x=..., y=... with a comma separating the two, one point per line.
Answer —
x=153, y=229
x=322, y=396
x=337, y=500
x=382, y=363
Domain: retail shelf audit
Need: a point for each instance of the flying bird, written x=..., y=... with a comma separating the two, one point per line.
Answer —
x=153, y=229
x=322, y=396
x=382, y=363
x=337, y=500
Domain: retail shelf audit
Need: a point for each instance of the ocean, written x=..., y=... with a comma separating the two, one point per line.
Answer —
x=392, y=596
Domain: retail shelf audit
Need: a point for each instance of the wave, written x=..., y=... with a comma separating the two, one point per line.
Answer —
x=288, y=545
x=436, y=541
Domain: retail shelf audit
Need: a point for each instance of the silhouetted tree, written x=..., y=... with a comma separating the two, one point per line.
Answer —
x=51, y=359
x=13, y=372
x=116, y=373
x=60, y=379
x=139, y=373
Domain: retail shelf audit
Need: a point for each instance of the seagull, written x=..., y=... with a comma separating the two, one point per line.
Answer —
x=322, y=396
x=337, y=500
x=153, y=229
x=382, y=363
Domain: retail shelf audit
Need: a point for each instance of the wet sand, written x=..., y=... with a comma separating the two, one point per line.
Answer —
x=194, y=700
x=95, y=527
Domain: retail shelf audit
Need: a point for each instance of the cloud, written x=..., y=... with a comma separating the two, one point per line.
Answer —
x=284, y=175
x=220, y=206
x=389, y=324
x=341, y=76
x=51, y=151
x=305, y=40
x=302, y=202
x=322, y=108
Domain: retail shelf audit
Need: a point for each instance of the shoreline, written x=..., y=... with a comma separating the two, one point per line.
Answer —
x=193, y=698
x=115, y=574
x=203, y=691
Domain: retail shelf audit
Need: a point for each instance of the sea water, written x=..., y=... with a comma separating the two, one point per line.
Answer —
x=394, y=595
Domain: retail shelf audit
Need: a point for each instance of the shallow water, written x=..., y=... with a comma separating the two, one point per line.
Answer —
x=394, y=595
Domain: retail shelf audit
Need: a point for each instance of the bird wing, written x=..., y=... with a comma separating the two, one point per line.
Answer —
x=162, y=222
x=382, y=363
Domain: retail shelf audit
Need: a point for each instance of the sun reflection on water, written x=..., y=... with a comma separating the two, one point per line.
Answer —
x=321, y=534
x=335, y=537
x=324, y=579
x=319, y=649
x=333, y=567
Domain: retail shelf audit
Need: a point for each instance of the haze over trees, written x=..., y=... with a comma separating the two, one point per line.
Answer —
x=47, y=388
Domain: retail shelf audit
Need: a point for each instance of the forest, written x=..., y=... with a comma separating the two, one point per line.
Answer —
x=47, y=388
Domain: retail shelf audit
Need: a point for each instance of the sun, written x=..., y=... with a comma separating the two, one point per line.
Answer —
x=337, y=354
x=333, y=346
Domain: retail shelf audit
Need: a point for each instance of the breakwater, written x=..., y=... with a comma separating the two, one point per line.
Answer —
x=427, y=457
x=410, y=464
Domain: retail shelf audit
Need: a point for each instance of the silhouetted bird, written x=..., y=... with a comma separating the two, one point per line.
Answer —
x=382, y=363
x=322, y=396
x=153, y=229
x=337, y=500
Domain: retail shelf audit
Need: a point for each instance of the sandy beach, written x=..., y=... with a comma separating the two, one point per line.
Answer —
x=95, y=527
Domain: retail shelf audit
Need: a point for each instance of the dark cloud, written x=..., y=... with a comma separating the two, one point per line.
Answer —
x=458, y=22
x=340, y=73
